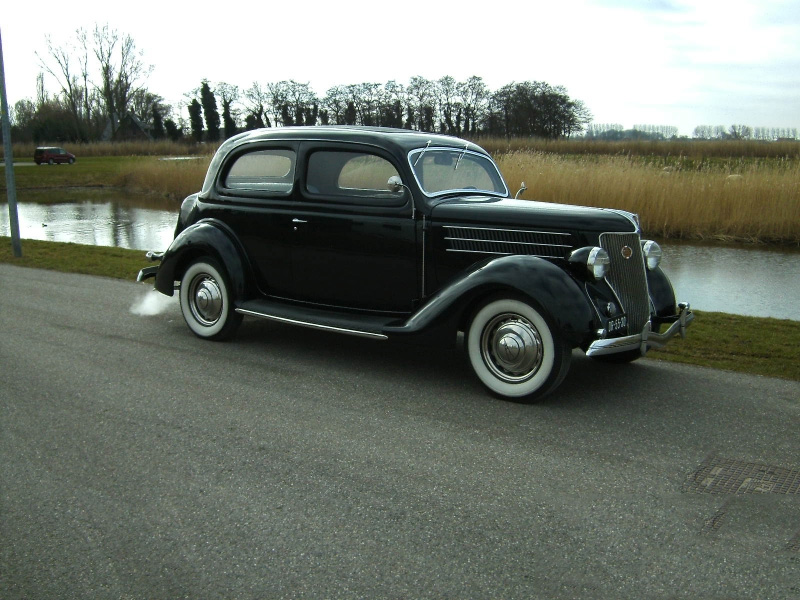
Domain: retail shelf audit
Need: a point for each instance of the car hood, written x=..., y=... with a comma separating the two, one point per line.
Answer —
x=486, y=210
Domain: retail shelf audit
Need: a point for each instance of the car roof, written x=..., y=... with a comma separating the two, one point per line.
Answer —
x=403, y=140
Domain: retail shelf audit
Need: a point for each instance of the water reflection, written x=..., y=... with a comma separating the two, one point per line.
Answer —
x=112, y=223
x=742, y=281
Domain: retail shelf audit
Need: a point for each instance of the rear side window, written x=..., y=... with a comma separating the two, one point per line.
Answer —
x=263, y=170
x=351, y=175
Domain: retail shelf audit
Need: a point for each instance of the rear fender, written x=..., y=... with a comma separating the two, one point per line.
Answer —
x=208, y=237
x=549, y=288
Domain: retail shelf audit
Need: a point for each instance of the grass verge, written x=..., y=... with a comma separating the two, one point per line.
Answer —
x=758, y=346
x=118, y=263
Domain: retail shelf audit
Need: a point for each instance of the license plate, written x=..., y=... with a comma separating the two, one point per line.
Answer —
x=617, y=324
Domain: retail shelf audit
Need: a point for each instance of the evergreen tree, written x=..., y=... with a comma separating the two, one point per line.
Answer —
x=173, y=131
x=158, y=124
x=196, y=120
x=210, y=112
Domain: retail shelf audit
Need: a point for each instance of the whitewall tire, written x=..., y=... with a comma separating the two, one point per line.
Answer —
x=514, y=351
x=206, y=302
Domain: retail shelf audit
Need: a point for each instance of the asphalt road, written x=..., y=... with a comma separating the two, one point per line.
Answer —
x=137, y=461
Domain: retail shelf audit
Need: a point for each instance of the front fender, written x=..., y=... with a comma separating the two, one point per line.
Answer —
x=551, y=289
x=207, y=237
x=661, y=293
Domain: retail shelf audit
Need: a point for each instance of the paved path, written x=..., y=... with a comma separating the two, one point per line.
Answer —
x=137, y=461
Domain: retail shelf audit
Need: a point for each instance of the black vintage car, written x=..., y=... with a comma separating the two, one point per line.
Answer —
x=394, y=234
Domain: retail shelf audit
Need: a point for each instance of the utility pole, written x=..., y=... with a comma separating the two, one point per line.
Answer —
x=11, y=184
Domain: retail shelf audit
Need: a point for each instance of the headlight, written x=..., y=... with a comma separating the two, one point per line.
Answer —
x=652, y=254
x=598, y=263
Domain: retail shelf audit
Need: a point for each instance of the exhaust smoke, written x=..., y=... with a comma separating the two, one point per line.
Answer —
x=152, y=303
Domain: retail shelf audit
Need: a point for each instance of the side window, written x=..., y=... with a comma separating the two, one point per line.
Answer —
x=351, y=175
x=262, y=170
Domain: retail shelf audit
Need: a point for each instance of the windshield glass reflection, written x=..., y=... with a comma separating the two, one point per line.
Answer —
x=446, y=170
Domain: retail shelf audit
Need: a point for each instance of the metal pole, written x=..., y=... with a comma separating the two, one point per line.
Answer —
x=11, y=184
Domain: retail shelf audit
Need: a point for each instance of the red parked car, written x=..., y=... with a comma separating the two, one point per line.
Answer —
x=52, y=155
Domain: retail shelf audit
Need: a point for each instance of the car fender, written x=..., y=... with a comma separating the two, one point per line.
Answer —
x=662, y=295
x=207, y=237
x=547, y=286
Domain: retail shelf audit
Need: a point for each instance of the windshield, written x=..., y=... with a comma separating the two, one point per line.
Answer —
x=445, y=170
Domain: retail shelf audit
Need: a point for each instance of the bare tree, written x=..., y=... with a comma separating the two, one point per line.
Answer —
x=474, y=98
x=68, y=64
x=122, y=72
x=421, y=102
x=228, y=94
x=446, y=90
x=257, y=101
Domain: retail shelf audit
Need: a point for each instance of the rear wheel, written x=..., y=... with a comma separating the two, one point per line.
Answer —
x=206, y=301
x=514, y=352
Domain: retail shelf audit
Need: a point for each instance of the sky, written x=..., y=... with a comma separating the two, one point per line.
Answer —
x=682, y=63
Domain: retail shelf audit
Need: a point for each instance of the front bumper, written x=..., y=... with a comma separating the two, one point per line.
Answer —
x=646, y=339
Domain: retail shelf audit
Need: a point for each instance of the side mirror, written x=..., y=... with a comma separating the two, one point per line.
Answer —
x=521, y=189
x=395, y=184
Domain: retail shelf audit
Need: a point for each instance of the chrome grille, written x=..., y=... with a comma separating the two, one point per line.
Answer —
x=627, y=277
x=507, y=241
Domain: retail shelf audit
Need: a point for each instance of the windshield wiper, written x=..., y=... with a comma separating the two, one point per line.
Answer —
x=460, y=156
x=424, y=150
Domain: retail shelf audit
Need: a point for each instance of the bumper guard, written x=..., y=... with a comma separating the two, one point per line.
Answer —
x=646, y=339
x=149, y=272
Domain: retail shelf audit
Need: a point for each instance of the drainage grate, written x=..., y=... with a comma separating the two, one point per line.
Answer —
x=794, y=543
x=726, y=476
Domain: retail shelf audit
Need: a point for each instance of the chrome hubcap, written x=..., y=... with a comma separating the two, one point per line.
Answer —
x=511, y=347
x=206, y=300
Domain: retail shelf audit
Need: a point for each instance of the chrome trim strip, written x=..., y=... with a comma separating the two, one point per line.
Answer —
x=646, y=339
x=511, y=230
x=364, y=334
x=505, y=253
x=507, y=242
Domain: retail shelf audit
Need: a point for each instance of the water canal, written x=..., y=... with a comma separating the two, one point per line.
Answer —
x=739, y=280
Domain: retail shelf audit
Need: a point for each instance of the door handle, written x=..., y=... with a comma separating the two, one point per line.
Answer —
x=298, y=221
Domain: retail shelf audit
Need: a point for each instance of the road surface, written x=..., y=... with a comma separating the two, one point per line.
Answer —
x=139, y=461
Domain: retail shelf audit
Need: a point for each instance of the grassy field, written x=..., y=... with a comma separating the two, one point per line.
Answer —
x=759, y=346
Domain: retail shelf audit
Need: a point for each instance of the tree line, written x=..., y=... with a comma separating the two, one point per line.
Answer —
x=616, y=132
x=102, y=94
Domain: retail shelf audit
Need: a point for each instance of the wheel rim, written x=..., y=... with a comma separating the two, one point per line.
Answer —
x=511, y=347
x=205, y=299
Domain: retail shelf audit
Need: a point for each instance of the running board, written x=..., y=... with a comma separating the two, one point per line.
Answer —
x=365, y=327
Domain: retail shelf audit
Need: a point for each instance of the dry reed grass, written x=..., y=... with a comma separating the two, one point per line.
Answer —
x=697, y=153
x=759, y=204
x=152, y=148
x=173, y=179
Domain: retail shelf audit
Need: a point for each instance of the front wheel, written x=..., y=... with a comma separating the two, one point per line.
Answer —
x=514, y=352
x=206, y=302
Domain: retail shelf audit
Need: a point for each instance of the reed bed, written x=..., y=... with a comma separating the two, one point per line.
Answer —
x=697, y=153
x=759, y=203
x=174, y=179
x=94, y=149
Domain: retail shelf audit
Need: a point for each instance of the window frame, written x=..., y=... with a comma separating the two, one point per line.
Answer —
x=265, y=191
x=361, y=197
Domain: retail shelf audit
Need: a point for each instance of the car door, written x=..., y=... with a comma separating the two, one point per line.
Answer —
x=257, y=197
x=354, y=241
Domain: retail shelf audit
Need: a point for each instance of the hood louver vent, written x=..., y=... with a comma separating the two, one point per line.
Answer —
x=507, y=241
